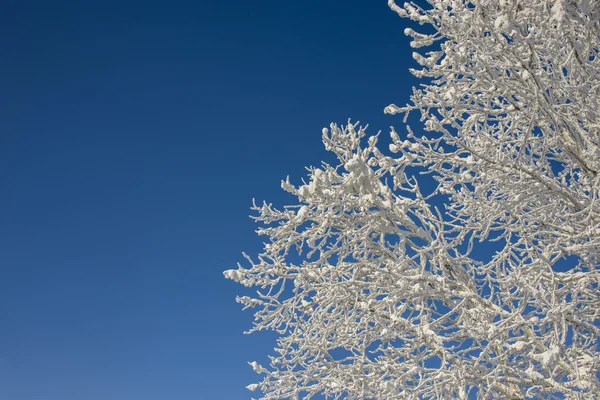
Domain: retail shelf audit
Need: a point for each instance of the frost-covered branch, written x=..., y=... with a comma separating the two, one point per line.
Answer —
x=376, y=293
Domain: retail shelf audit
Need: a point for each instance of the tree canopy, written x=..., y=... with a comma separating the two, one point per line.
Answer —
x=387, y=300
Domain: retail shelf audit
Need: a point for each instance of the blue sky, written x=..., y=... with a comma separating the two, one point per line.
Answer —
x=133, y=136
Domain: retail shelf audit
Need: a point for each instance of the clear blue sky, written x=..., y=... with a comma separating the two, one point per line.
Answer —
x=133, y=136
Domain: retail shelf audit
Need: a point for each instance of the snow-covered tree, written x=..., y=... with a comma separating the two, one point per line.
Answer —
x=374, y=285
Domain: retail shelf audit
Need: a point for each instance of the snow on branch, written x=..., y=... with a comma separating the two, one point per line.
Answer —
x=378, y=294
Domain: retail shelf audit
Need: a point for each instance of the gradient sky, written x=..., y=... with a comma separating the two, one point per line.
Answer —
x=133, y=136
